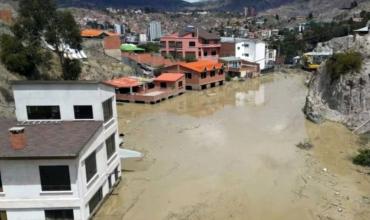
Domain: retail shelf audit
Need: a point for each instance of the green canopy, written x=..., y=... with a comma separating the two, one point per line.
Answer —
x=130, y=48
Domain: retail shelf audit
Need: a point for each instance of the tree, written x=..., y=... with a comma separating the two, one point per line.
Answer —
x=63, y=33
x=39, y=20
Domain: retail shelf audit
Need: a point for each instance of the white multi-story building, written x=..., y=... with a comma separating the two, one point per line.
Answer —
x=252, y=50
x=59, y=159
x=154, y=30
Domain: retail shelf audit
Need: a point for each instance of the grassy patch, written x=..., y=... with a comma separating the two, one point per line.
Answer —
x=363, y=158
x=343, y=63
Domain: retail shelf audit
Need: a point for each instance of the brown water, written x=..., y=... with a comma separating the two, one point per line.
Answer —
x=229, y=153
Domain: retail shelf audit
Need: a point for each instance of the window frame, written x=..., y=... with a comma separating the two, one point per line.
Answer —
x=188, y=75
x=97, y=195
x=83, y=106
x=90, y=175
x=1, y=184
x=110, y=151
x=50, y=188
x=56, y=117
x=107, y=115
x=59, y=217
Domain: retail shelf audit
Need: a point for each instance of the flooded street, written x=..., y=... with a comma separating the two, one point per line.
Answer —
x=230, y=153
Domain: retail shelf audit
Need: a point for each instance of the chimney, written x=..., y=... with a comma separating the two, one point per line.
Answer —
x=17, y=138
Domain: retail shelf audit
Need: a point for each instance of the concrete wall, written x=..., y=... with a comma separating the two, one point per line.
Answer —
x=256, y=52
x=64, y=95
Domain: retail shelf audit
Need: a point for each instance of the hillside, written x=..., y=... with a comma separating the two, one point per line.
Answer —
x=324, y=10
x=238, y=5
x=158, y=4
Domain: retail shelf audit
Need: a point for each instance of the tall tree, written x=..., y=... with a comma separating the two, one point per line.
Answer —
x=63, y=34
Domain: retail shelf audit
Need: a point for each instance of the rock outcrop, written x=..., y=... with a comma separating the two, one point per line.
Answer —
x=345, y=100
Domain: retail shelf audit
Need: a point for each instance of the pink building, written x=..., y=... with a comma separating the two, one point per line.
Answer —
x=194, y=42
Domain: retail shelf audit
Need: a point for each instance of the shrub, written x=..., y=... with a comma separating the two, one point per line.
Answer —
x=343, y=63
x=190, y=58
x=363, y=158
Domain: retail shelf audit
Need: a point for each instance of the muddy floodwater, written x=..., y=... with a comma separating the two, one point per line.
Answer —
x=230, y=153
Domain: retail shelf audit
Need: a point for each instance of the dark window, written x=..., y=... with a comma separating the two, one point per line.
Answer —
x=191, y=44
x=110, y=181
x=3, y=215
x=95, y=200
x=188, y=75
x=203, y=75
x=163, y=85
x=108, y=109
x=205, y=42
x=214, y=53
x=43, y=112
x=205, y=53
x=62, y=214
x=83, y=112
x=110, y=145
x=179, y=44
x=90, y=166
x=116, y=172
x=213, y=73
x=180, y=84
x=172, y=44
x=1, y=185
x=55, y=178
x=220, y=72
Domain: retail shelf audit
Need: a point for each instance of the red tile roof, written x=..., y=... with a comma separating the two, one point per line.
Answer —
x=124, y=82
x=96, y=33
x=149, y=59
x=169, y=77
x=202, y=65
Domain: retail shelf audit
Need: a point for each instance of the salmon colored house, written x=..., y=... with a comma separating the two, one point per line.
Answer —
x=192, y=42
x=201, y=74
x=96, y=33
x=165, y=86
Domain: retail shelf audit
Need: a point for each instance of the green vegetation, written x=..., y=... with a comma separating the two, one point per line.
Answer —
x=190, y=58
x=343, y=63
x=363, y=158
x=150, y=47
x=39, y=20
x=293, y=43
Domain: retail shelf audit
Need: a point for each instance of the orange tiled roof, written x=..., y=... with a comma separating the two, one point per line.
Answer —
x=124, y=82
x=169, y=77
x=149, y=59
x=96, y=33
x=202, y=65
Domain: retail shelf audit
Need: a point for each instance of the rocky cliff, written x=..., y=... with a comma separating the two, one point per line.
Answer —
x=346, y=99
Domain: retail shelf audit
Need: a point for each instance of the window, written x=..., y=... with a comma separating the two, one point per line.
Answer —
x=191, y=44
x=246, y=54
x=203, y=75
x=43, y=112
x=108, y=109
x=205, y=53
x=62, y=214
x=221, y=72
x=245, y=45
x=90, y=166
x=55, y=178
x=83, y=112
x=214, y=53
x=95, y=200
x=213, y=73
x=180, y=84
x=110, y=144
x=3, y=215
x=188, y=75
x=1, y=185
x=238, y=48
x=178, y=44
x=116, y=173
x=163, y=85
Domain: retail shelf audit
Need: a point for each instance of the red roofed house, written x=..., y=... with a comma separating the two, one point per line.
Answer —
x=140, y=90
x=201, y=74
x=96, y=33
x=193, y=41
